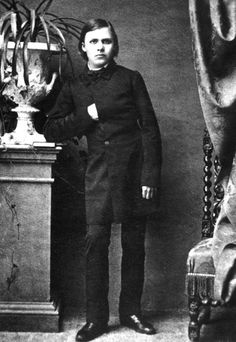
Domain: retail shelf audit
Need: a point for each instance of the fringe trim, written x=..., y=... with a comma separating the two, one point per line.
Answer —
x=198, y=284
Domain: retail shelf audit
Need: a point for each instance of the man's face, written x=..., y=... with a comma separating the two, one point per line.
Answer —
x=98, y=45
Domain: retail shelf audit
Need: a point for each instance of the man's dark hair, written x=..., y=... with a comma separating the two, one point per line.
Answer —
x=92, y=25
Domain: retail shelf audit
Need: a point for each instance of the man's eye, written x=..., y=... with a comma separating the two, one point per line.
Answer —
x=107, y=41
x=93, y=41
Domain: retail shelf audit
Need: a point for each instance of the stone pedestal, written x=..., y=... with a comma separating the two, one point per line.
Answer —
x=26, y=301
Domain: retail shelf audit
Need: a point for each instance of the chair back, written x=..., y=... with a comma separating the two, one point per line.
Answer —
x=210, y=210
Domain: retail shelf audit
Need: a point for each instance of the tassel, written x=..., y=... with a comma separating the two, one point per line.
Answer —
x=198, y=284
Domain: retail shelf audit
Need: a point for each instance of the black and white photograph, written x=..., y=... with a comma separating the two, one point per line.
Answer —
x=117, y=170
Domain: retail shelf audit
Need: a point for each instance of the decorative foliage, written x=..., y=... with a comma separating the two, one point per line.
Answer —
x=22, y=25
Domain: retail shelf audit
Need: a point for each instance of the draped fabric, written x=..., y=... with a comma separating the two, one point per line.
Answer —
x=213, y=24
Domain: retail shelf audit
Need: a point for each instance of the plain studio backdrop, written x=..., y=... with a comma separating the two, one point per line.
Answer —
x=154, y=38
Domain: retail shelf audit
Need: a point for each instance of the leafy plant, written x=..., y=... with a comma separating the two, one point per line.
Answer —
x=21, y=25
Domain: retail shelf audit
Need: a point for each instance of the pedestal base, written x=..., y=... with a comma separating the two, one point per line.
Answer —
x=25, y=244
x=40, y=316
x=12, y=139
x=24, y=132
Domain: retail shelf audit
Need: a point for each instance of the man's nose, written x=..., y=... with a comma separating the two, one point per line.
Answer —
x=100, y=46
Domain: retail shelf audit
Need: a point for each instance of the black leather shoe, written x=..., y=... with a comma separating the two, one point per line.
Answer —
x=138, y=324
x=90, y=331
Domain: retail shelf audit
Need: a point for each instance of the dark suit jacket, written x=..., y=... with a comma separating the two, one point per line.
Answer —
x=124, y=146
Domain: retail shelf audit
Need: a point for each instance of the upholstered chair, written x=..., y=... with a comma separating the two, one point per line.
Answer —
x=200, y=267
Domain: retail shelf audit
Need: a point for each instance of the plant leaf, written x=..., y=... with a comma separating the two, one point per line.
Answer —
x=32, y=22
x=73, y=33
x=66, y=24
x=19, y=13
x=57, y=30
x=70, y=28
x=49, y=2
x=14, y=5
x=17, y=46
x=3, y=51
x=60, y=62
x=3, y=20
x=5, y=30
x=45, y=29
x=27, y=10
x=67, y=18
x=5, y=4
x=10, y=4
x=22, y=24
x=13, y=24
x=26, y=59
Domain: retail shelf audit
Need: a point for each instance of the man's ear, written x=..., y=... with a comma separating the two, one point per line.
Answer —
x=83, y=47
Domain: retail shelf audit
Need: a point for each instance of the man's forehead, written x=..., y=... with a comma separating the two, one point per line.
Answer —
x=103, y=32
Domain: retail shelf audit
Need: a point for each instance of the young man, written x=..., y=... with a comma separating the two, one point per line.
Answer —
x=110, y=105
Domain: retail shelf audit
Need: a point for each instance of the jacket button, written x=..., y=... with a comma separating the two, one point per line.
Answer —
x=106, y=142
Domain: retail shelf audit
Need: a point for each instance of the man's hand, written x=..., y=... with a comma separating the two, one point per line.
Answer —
x=92, y=111
x=148, y=192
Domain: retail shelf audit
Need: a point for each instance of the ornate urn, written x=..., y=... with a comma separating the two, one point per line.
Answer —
x=26, y=96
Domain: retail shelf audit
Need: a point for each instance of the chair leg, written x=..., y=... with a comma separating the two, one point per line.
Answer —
x=194, y=325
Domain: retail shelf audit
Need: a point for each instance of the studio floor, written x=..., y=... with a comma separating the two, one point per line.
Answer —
x=171, y=327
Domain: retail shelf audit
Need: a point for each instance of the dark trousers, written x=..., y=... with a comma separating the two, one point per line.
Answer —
x=132, y=269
